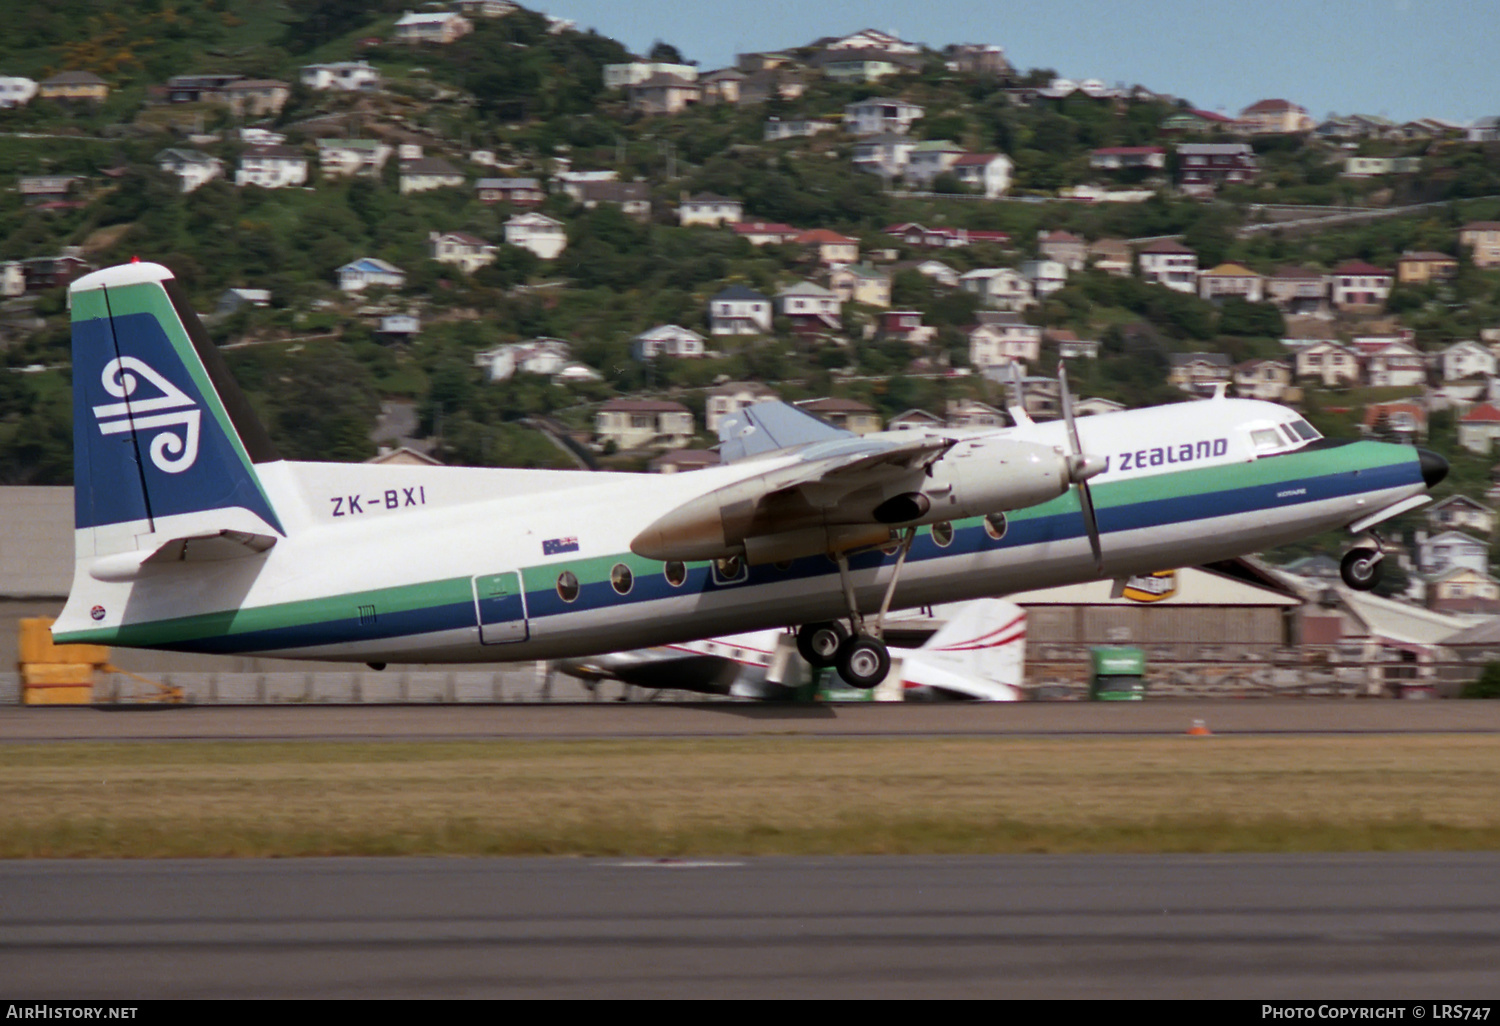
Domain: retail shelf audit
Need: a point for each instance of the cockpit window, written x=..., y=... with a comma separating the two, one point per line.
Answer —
x=1266, y=439
x=1306, y=430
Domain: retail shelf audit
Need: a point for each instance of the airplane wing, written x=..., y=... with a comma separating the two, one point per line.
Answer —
x=979, y=654
x=768, y=427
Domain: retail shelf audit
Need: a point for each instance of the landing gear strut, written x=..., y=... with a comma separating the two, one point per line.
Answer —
x=860, y=656
x=1360, y=567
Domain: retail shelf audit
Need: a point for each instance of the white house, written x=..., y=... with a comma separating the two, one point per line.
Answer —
x=16, y=91
x=539, y=233
x=706, y=208
x=352, y=156
x=930, y=158
x=543, y=356
x=884, y=155
x=1329, y=362
x=1262, y=379
x=777, y=129
x=1170, y=263
x=990, y=173
x=738, y=310
x=432, y=27
x=1001, y=288
x=1479, y=428
x=190, y=166
x=634, y=423
x=1395, y=364
x=460, y=249
x=426, y=173
x=1357, y=283
x=667, y=340
x=346, y=76
x=366, y=271
x=1467, y=359
x=1046, y=276
x=272, y=167
x=1452, y=549
x=810, y=307
x=1231, y=280
x=731, y=397
x=1002, y=339
x=622, y=76
x=880, y=115
x=1459, y=513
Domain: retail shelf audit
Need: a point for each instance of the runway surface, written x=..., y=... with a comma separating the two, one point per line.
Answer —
x=728, y=719
x=1251, y=927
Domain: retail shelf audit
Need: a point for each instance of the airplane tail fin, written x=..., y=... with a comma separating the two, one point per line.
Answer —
x=986, y=642
x=166, y=448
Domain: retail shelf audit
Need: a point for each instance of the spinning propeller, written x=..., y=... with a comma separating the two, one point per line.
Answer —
x=1081, y=468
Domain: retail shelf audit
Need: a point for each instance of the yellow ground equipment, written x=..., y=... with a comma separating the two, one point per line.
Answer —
x=65, y=674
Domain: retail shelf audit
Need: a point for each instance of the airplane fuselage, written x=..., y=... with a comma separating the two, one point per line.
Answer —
x=432, y=564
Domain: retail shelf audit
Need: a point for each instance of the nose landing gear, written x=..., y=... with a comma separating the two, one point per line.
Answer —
x=1360, y=567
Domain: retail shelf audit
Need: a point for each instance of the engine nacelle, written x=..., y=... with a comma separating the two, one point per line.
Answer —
x=994, y=475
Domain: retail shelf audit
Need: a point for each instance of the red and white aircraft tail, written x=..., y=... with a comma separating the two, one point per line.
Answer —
x=980, y=653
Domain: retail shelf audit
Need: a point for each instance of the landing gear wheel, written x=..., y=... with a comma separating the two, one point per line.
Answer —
x=819, y=643
x=863, y=661
x=1360, y=569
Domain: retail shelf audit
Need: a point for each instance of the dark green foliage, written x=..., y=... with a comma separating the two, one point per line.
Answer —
x=1487, y=686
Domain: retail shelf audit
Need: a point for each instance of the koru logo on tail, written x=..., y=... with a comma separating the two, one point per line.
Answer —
x=173, y=409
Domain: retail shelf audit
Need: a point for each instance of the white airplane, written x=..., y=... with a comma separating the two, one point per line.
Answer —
x=979, y=654
x=192, y=534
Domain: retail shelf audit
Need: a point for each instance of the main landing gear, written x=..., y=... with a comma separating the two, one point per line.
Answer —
x=1360, y=567
x=860, y=657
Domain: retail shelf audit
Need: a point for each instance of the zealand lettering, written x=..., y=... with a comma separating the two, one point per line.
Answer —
x=1185, y=452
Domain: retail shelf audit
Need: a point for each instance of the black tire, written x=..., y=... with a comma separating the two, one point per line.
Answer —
x=863, y=661
x=1360, y=569
x=819, y=643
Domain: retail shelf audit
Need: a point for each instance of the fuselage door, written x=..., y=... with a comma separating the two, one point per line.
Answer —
x=500, y=603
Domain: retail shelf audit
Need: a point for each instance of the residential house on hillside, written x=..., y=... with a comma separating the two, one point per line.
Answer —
x=432, y=27
x=1000, y=339
x=1198, y=373
x=1373, y=167
x=906, y=326
x=765, y=233
x=732, y=397
x=1332, y=364
x=1116, y=158
x=191, y=167
x=1064, y=247
x=633, y=198
x=1420, y=267
x=830, y=246
x=930, y=158
x=1407, y=420
x=1046, y=276
x=1467, y=359
x=363, y=157
x=1395, y=364
x=881, y=116
x=1483, y=240
x=1463, y=589
x=971, y=413
x=74, y=85
x=1479, y=427
x=1228, y=280
x=869, y=39
x=272, y=167
x=859, y=283
x=777, y=128
x=16, y=91
x=49, y=192
x=1001, y=288
x=848, y=414
x=460, y=249
x=518, y=192
x=571, y=182
x=343, y=76
x=1358, y=284
x=544, y=236
x=977, y=59
x=1197, y=122
x=43, y=273
x=916, y=420
x=914, y=234
x=427, y=173
x=545, y=357
x=1070, y=346
x=1203, y=167
x=710, y=209
x=987, y=173
x=884, y=155
x=256, y=97
x=934, y=269
x=663, y=94
x=1112, y=256
x=738, y=310
x=1297, y=290
x=360, y=274
x=234, y=300
x=721, y=86
x=762, y=86
x=1452, y=549
x=1267, y=117
x=811, y=308
x=667, y=340
x=639, y=423
x=1461, y=513
x=869, y=65
x=487, y=8
x=1481, y=130
x=638, y=70
x=1262, y=379
x=1170, y=263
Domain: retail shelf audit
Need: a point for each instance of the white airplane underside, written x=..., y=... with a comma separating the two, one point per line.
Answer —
x=192, y=534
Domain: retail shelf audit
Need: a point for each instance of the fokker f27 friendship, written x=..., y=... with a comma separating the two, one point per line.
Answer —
x=193, y=534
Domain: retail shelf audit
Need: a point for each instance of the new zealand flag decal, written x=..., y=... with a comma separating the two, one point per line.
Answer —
x=557, y=546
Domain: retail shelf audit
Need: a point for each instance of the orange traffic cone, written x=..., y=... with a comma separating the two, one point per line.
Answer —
x=1199, y=729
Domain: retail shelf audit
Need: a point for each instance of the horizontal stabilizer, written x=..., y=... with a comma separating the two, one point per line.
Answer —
x=199, y=548
x=767, y=427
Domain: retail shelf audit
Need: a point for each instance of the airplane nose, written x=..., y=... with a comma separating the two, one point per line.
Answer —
x=1434, y=467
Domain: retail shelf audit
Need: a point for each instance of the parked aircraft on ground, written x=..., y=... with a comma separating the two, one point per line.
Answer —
x=978, y=653
x=192, y=533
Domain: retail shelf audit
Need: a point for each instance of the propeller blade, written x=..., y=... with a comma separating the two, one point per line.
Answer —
x=1080, y=469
